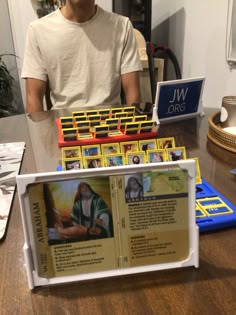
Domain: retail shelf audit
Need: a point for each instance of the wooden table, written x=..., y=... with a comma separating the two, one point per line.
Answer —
x=210, y=289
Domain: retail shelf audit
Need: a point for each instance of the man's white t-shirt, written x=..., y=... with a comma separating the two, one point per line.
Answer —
x=82, y=61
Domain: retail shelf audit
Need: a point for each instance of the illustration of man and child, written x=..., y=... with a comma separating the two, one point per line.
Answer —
x=90, y=217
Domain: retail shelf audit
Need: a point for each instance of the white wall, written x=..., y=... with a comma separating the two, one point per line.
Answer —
x=21, y=14
x=194, y=30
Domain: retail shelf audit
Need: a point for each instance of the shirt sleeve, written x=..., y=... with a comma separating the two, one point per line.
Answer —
x=33, y=65
x=130, y=57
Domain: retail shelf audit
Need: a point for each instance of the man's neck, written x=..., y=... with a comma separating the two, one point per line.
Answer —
x=79, y=14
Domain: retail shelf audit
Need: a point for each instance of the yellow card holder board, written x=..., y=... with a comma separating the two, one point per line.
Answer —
x=155, y=204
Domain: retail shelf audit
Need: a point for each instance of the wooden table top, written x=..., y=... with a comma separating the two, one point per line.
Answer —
x=209, y=289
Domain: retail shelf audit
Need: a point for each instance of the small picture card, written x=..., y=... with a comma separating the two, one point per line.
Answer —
x=120, y=115
x=149, y=144
x=165, y=143
x=125, y=120
x=78, y=113
x=87, y=135
x=82, y=125
x=101, y=131
x=70, y=138
x=198, y=172
x=94, y=120
x=134, y=158
x=91, y=150
x=129, y=109
x=71, y=152
x=105, y=113
x=176, y=154
x=116, y=110
x=91, y=112
x=113, y=123
x=147, y=126
x=140, y=118
x=79, y=119
x=156, y=156
x=66, y=119
x=114, y=133
x=210, y=202
x=93, y=161
x=67, y=125
x=72, y=164
x=110, y=148
x=129, y=146
x=69, y=131
x=132, y=128
x=114, y=160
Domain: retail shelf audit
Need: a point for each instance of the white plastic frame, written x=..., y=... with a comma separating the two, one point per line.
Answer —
x=29, y=247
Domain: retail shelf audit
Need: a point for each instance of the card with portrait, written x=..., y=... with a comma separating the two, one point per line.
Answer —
x=96, y=161
x=134, y=158
x=90, y=150
x=71, y=164
x=70, y=152
x=149, y=144
x=110, y=148
x=165, y=143
x=156, y=156
x=117, y=159
x=129, y=146
x=176, y=154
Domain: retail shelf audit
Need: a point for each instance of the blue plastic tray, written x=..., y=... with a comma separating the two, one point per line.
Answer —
x=217, y=219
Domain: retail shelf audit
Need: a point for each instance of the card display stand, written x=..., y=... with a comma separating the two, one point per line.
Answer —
x=144, y=240
x=219, y=214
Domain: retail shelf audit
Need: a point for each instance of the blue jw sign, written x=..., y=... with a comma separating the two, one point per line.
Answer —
x=178, y=97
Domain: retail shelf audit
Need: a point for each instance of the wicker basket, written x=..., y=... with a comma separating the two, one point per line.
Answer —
x=220, y=137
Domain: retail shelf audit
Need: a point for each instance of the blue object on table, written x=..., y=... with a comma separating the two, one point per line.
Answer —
x=218, y=217
x=59, y=168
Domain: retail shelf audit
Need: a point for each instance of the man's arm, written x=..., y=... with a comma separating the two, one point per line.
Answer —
x=131, y=86
x=35, y=91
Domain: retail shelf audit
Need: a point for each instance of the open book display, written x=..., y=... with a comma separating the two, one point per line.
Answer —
x=106, y=222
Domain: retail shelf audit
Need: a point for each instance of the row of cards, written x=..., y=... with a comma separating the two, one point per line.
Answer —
x=118, y=147
x=125, y=153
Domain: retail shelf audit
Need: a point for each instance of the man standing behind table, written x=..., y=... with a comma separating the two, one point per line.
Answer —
x=85, y=53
